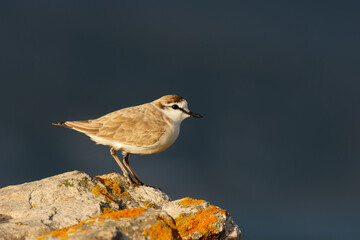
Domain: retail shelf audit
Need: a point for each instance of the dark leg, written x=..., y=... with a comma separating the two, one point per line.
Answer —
x=126, y=162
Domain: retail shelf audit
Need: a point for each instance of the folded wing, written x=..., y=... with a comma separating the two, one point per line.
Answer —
x=139, y=126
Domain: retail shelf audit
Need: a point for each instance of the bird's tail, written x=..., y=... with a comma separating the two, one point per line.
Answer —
x=87, y=127
x=63, y=124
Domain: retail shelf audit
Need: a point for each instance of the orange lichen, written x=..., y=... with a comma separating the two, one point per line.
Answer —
x=91, y=221
x=164, y=229
x=149, y=205
x=126, y=213
x=106, y=210
x=101, y=220
x=159, y=231
x=203, y=222
x=113, y=186
x=63, y=233
x=168, y=220
x=33, y=206
x=102, y=192
x=186, y=202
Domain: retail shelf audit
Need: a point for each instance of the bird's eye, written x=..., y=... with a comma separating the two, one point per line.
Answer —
x=175, y=106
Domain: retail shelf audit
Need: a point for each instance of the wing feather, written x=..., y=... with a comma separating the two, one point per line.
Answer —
x=139, y=125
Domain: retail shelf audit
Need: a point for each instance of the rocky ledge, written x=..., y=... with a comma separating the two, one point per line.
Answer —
x=75, y=206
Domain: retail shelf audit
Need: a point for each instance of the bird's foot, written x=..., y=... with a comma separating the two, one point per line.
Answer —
x=136, y=182
x=133, y=181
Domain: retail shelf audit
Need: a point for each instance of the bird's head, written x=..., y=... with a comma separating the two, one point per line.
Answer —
x=175, y=107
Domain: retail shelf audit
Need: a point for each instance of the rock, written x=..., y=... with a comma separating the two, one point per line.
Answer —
x=75, y=206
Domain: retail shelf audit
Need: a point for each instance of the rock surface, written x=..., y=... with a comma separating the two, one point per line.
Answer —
x=75, y=206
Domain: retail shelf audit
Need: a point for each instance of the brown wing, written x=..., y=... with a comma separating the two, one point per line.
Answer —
x=139, y=125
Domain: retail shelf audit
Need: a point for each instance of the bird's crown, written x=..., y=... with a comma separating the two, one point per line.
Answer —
x=168, y=99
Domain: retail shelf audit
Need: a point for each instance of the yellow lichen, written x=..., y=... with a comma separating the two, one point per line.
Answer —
x=149, y=205
x=63, y=233
x=203, y=222
x=164, y=229
x=186, y=202
x=33, y=205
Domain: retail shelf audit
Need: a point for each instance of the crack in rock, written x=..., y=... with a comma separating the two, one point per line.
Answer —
x=30, y=198
x=53, y=214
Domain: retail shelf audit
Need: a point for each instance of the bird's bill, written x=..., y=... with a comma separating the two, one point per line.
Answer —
x=196, y=115
x=191, y=114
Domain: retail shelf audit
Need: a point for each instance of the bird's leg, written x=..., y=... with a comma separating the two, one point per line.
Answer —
x=113, y=153
x=126, y=162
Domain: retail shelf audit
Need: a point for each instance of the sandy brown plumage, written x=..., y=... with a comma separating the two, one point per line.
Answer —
x=145, y=129
x=139, y=125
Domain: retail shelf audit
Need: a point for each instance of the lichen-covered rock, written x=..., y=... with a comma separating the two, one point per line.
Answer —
x=197, y=219
x=75, y=206
x=134, y=223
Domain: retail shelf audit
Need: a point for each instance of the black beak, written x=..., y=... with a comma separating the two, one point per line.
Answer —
x=196, y=115
x=192, y=114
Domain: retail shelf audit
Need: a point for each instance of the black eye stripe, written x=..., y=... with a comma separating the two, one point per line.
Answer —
x=175, y=106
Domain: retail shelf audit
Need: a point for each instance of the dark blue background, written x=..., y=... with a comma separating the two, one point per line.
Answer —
x=277, y=82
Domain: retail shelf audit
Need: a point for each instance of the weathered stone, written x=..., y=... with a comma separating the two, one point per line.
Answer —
x=75, y=206
x=34, y=208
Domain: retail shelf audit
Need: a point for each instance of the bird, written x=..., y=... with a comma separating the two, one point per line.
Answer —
x=142, y=130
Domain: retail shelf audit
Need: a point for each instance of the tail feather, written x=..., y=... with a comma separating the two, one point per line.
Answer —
x=63, y=124
x=87, y=127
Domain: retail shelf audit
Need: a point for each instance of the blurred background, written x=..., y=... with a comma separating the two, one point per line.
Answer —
x=277, y=82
